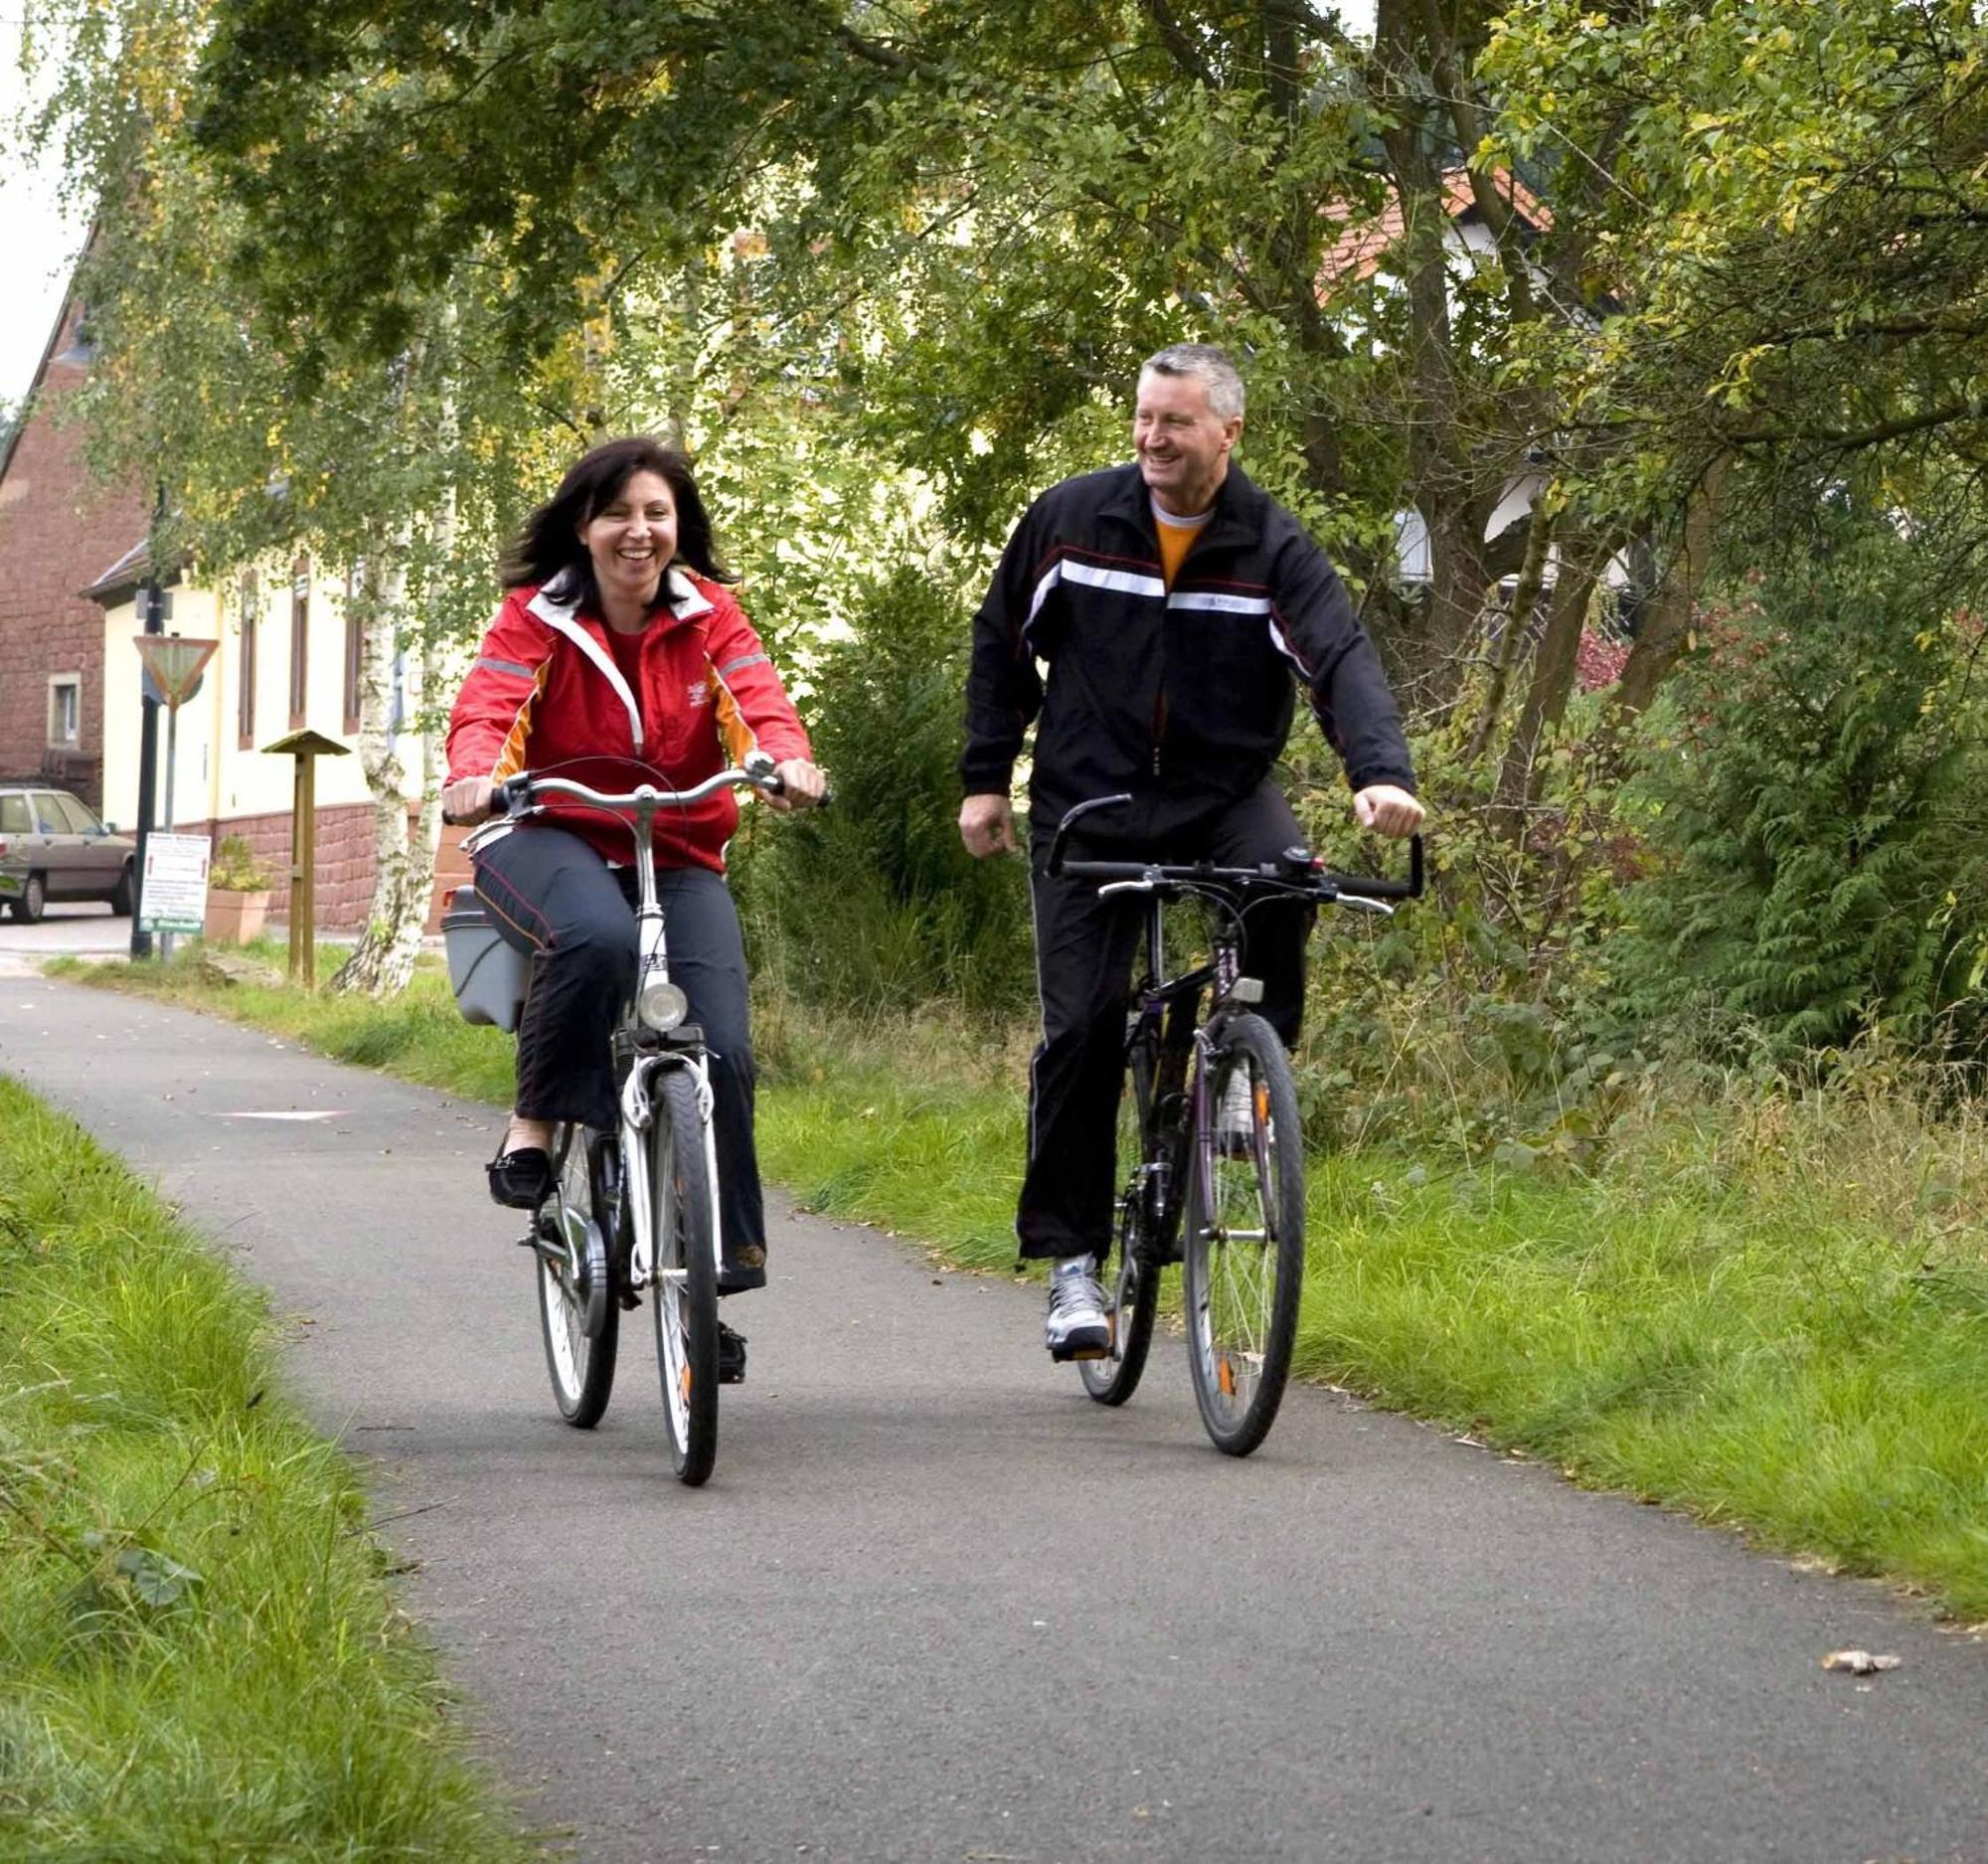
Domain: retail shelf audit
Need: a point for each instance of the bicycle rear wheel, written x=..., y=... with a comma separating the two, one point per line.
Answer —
x=1245, y=1239
x=685, y=1303
x=578, y=1312
x=1130, y=1272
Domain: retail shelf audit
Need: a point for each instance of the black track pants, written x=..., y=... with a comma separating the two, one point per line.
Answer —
x=1084, y=951
x=551, y=895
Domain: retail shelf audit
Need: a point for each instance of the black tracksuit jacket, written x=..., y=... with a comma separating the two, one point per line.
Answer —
x=1184, y=697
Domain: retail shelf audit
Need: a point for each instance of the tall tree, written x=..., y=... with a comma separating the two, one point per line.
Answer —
x=972, y=220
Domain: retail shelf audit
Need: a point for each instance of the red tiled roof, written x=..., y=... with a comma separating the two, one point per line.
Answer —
x=1358, y=252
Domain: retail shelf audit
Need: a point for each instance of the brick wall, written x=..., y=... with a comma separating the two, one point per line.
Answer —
x=344, y=861
x=59, y=532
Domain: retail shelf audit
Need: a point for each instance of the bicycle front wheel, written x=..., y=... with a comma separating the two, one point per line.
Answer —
x=578, y=1312
x=685, y=1303
x=1130, y=1270
x=1244, y=1236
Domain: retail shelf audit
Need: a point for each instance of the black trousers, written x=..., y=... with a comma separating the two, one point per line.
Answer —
x=1084, y=948
x=551, y=895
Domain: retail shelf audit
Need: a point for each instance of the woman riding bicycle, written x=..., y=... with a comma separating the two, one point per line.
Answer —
x=617, y=641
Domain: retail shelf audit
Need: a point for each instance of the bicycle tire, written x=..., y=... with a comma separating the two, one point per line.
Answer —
x=578, y=1316
x=1130, y=1270
x=1243, y=1254
x=686, y=1293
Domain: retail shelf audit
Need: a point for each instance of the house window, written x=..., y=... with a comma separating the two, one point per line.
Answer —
x=65, y=711
x=299, y=640
x=245, y=714
x=354, y=649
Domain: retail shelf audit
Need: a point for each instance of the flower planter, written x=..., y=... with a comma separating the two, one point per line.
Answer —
x=232, y=918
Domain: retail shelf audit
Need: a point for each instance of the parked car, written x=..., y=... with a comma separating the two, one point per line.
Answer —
x=53, y=847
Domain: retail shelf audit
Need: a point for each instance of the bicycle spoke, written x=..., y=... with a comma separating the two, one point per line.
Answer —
x=1246, y=1253
x=1129, y=1277
x=570, y=1256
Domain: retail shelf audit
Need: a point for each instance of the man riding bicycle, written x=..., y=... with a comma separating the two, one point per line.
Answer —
x=1170, y=602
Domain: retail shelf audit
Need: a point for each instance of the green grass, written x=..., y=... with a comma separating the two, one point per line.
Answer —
x=200, y=1657
x=1770, y=1309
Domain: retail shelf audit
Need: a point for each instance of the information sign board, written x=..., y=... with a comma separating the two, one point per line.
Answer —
x=173, y=898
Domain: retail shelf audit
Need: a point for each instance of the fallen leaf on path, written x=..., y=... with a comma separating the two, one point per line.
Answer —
x=1858, y=1662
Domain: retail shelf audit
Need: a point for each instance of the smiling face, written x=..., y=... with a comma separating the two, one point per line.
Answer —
x=1182, y=443
x=630, y=541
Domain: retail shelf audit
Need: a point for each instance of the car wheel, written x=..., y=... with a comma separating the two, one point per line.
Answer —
x=34, y=896
x=120, y=898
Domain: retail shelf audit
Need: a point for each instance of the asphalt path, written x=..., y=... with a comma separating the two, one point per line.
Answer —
x=935, y=1605
x=67, y=927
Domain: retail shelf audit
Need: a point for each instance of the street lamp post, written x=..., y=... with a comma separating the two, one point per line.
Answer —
x=152, y=604
x=174, y=664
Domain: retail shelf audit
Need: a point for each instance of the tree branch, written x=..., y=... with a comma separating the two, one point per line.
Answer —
x=1966, y=408
x=1178, y=42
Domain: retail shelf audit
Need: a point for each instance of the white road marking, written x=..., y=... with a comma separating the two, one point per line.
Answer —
x=334, y=1113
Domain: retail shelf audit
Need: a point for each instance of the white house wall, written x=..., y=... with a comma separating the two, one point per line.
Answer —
x=214, y=775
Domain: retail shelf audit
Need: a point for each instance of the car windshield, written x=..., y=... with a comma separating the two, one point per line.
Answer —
x=14, y=814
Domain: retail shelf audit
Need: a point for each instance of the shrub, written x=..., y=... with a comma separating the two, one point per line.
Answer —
x=235, y=868
x=873, y=903
x=1817, y=813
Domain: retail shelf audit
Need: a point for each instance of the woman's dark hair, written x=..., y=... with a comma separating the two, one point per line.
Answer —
x=549, y=545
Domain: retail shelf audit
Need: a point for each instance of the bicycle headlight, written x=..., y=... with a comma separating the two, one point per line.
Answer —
x=661, y=1005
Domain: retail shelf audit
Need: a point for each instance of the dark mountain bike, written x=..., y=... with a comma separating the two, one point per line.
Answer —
x=1211, y=1156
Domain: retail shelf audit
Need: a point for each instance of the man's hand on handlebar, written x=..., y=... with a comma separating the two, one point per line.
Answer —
x=467, y=799
x=1388, y=809
x=987, y=825
x=802, y=786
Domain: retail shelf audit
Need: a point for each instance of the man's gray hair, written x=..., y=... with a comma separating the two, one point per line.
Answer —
x=1210, y=366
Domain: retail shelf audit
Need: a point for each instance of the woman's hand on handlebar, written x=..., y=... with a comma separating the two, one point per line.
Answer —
x=1389, y=809
x=802, y=786
x=467, y=799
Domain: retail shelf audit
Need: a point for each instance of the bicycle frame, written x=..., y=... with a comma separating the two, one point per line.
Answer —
x=1165, y=1006
x=1162, y=1000
x=650, y=1049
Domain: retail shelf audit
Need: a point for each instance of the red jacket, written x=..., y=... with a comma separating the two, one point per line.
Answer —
x=546, y=690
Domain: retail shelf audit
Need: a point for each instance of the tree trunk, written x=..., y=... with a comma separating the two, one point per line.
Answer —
x=1517, y=619
x=1553, y=667
x=382, y=597
x=1666, y=627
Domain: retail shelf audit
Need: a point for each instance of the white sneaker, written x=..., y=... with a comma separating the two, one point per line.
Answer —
x=1078, y=1328
x=1235, y=1119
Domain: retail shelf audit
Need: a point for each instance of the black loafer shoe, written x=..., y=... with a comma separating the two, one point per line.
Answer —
x=521, y=1180
x=730, y=1356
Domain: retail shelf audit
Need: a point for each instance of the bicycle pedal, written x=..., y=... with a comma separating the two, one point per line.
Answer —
x=1064, y=1355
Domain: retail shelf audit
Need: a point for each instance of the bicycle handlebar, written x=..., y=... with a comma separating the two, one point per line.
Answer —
x=513, y=799
x=514, y=796
x=1311, y=880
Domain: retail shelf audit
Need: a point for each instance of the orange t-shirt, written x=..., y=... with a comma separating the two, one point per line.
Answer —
x=1177, y=536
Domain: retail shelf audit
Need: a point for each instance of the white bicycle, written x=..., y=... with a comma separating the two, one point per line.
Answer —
x=637, y=1207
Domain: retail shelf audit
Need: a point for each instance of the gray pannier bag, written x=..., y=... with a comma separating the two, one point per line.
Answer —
x=489, y=976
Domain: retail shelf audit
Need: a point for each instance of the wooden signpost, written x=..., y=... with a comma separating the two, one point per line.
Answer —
x=307, y=746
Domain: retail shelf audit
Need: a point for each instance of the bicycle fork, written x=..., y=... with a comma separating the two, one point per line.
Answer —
x=638, y=1104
